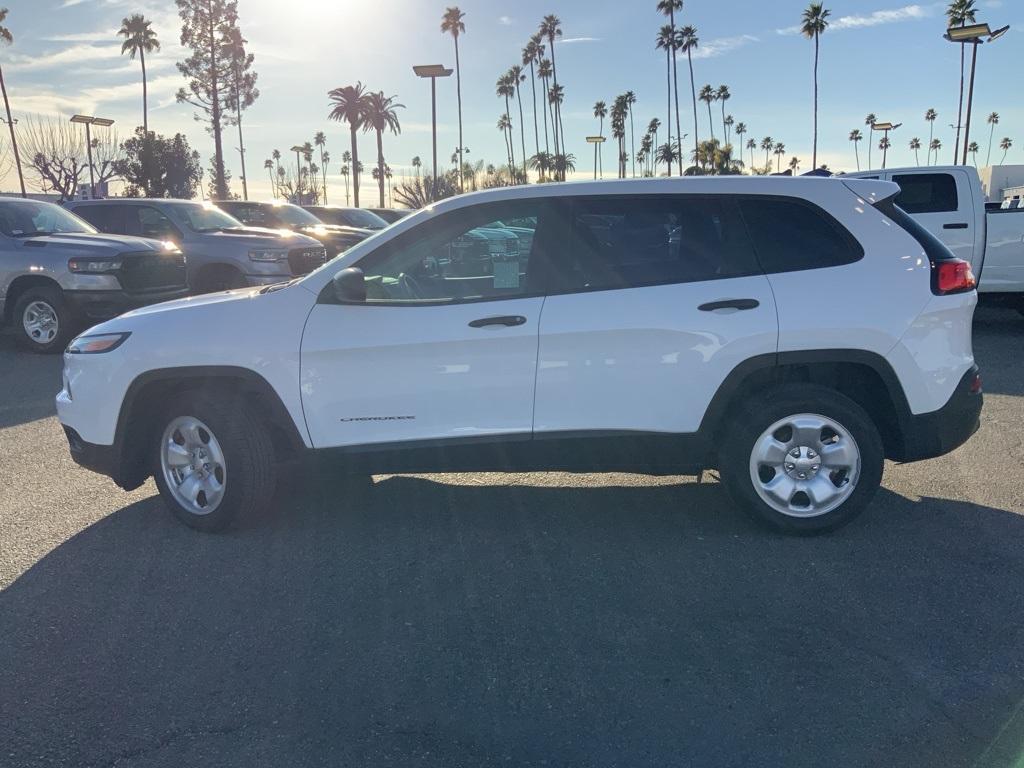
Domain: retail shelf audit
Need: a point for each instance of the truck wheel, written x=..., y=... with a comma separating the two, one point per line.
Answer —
x=214, y=461
x=42, y=320
x=801, y=458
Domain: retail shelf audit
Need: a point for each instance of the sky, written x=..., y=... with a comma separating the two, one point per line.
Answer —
x=879, y=56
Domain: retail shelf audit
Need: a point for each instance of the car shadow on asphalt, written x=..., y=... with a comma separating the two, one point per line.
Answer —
x=437, y=621
x=28, y=383
x=998, y=340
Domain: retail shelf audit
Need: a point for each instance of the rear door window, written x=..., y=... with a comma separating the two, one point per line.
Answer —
x=627, y=242
x=926, y=192
x=106, y=218
x=791, y=234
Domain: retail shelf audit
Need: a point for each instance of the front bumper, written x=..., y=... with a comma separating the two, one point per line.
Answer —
x=97, y=458
x=103, y=305
x=928, y=435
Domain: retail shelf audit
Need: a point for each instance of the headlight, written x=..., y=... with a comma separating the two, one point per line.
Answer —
x=92, y=345
x=94, y=266
x=268, y=254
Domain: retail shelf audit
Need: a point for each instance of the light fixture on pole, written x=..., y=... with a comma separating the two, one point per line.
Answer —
x=597, y=141
x=433, y=71
x=971, y=34
x=298, y=150
x=89, y=121
x=885, y=128
x=11, y=122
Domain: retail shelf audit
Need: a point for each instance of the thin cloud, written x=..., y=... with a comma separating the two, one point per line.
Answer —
x=505, y=21
x=568, y=40
x=877, y=18
x=72, y=55
x=712, y=48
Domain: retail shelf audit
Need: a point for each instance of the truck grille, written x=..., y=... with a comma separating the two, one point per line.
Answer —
x=302, y=261
x=149, y=272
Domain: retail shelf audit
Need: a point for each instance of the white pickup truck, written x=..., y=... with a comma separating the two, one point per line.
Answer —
x=949, y=202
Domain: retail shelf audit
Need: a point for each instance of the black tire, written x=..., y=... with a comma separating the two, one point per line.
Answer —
x=218, y=278
x=66, y=322
x=751, y=418
x=250, y=471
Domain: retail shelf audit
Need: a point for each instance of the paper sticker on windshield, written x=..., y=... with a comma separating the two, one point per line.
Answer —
x=506, y=274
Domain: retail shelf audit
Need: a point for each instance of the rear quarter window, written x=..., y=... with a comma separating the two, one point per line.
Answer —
x=791, y=234
x=106, y=218
x=926, y=192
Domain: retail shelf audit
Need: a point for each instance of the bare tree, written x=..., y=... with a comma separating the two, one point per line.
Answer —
x=54, y=149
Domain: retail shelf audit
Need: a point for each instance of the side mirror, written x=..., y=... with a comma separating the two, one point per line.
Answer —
x=350, y=285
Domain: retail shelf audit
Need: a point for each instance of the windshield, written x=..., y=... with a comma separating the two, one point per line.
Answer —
x=26, y=218
x=352, y=217
x=295, y=216
x=203, y=217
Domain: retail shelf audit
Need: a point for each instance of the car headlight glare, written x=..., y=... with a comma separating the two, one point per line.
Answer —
x=268, y=254
x=95, y=344
x=94, y=266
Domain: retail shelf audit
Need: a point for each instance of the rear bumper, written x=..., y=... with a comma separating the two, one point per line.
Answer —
x=103, y=305
x=928, y=435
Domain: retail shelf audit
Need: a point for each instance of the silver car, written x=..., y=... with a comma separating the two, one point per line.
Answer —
x=222, y=252
x=59, y=275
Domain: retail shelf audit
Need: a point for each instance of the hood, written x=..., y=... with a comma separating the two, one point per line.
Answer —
x=261, y=237
x=88, y=244
x=190, y=302
x=337, y=231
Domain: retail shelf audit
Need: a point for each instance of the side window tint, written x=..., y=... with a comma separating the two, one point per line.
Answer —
x=104, y=217
x=152, y=223
x=466, y=255
x=654, y=239
x=791, y=235
x=926, y=192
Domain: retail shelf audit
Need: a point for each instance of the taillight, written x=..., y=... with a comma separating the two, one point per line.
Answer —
x=952, y=276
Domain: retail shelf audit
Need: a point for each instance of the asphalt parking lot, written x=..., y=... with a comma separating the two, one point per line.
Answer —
x=477, y=620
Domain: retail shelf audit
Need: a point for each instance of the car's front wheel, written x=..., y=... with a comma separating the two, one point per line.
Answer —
x=43, y=321
x=214, y=462
x=802, y=458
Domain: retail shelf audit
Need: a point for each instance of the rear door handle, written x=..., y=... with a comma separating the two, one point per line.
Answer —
x=955, y=225
x=730, y=304
x=509, y=320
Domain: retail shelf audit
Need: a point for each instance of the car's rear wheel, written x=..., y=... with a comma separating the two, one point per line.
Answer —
x=802, y=458
x=43, y=321
x=214, y=462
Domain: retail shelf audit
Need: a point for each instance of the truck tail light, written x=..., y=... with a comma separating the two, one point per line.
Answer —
x=952, y=276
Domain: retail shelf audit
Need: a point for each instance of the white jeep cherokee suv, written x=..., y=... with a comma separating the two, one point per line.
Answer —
x=792, y=333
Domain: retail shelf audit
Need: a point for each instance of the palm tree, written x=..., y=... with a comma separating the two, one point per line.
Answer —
x=915, y=144
x=884, y=145
x=779, y=151
x=452, y=24
x=630, y=101
x=934, y=146
x=505, y=125
x=973, y=149
x=856, y=136
x=517, y=78
x=666, y=40
x=556, y=95
x=668, y=154
x=930, y=117
x=1005, y=145
x=707, y=95
x=531, y=55
x=544, y=73
x=504, y=88
x=870, y=121
x=346, y=164
x=416, y=165
x=600, y=112
x=381, y=116
x=320, y=140
x=351, y=103
x=6, y=38
x=276, y=157
x=669, y=8
x=728, y=123
x=993, y=121
x=541, y=163
x=813, y=24
x=794, y=164
x=766, y=144
x=551, y=27
x=958, y=14
x=739, y=130
x=619, y=132
x=686, y=40
x=722, y=95
x=751, y=145
x=139, y=38
x=268, y=164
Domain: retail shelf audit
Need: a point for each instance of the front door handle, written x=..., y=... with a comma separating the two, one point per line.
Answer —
x=955, y=225
x=509, y=320
x=711, y=306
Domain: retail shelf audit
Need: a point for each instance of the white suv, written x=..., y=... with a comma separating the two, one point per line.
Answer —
x=792, y=333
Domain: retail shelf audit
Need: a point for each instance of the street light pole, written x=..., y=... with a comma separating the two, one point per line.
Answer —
x=970, y=100
x=298, y=173
x=964, y=35
x=433, y=71
x=88, y=121
x=597, y=141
